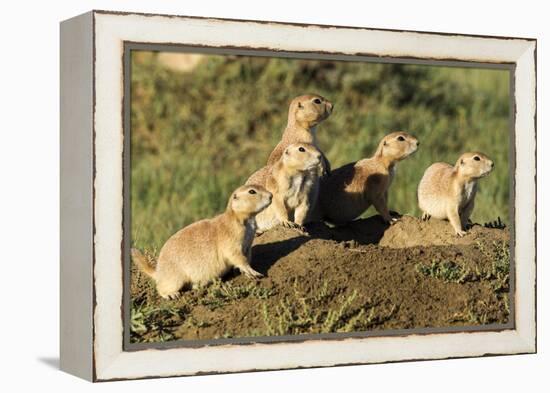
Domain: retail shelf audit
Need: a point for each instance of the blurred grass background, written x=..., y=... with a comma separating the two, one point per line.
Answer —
x=200, y=125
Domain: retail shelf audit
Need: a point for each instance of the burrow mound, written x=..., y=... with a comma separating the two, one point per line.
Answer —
x=407, y=232
x=364, y=276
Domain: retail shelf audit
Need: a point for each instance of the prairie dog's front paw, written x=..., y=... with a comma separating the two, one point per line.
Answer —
x=286, y=224
x=299, y=227
x=460, y=233
x=292, y=225
x=390, y=220
x=253, y=274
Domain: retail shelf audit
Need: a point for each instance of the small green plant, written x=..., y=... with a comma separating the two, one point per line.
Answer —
x=506, y=299
x=137, y=321
x=220, y=293
x=196, y=323
x=322, y=293
x=470, y=317
x=447, y=271
x=478, y=313
x=499, y=273
x=334, y=318
x=299, y=314
x=154, y=323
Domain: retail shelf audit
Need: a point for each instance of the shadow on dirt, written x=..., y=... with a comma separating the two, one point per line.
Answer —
x=364, y=231
x=280, y=242
x=265, y=255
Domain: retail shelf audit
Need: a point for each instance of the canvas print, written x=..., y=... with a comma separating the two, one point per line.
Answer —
x=287, y=197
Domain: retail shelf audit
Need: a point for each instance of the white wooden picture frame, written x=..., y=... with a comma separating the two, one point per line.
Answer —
x=93, y=249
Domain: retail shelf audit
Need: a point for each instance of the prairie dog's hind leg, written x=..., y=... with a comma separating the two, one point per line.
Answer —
x=169, y=287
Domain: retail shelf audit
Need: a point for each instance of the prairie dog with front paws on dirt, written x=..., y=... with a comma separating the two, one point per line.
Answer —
x=304, y=114
x=353, y=188
x=294, y=183
x=448, y=192
x=207, y=249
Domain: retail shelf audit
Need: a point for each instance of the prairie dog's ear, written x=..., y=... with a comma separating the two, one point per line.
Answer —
x=461, y=161
x=235, y=196
x=385, y=143
x=300, y=105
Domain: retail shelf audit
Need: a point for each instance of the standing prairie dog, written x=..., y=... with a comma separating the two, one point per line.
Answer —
x=294, y=183
x=353, y=188
x=448, y=192
x=207, y=249
x=304, y=114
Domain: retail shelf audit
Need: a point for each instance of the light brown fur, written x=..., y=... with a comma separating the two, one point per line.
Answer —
x=353, y=188
x=294, y=183
x=448, y=192
x=304, y=114
x=207, y=249
x=259, y=177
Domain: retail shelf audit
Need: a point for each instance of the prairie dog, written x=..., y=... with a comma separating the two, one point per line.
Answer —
x=352, y=188
x=448, y=192
x=207, y=249
x=304, y=114
x=294, y=183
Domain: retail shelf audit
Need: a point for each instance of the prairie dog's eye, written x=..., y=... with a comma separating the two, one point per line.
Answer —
x=477, y=158
x=400, y=138
x=301, y=149
x=252, y=192
x=317, y=101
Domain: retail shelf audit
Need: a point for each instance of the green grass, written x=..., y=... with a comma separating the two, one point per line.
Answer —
x=197, y=136
x=220, y=293
x=159, y=322
x=300, y=313
x=447, y=271
x=497, y=274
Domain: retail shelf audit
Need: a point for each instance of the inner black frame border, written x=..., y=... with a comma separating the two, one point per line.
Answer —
x=129, y=46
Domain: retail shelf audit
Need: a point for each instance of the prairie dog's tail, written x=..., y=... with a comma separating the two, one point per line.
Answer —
x=142, y=263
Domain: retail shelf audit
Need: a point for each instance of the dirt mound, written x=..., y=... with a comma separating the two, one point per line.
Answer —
x=363, y=276
x=407, y=232
x=410, y=232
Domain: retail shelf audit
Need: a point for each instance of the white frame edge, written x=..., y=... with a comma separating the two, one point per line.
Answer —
x=112, y=30
x=76, y=204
